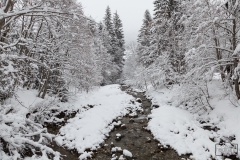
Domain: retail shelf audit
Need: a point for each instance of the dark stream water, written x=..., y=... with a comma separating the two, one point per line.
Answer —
x=134, y=138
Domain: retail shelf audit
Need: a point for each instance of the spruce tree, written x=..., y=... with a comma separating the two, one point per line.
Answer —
x=144, y=39
x=118, y=30
x=111, y=38
x=165, y=38
x=108, y=20
x=110, y=43
x=114, y=41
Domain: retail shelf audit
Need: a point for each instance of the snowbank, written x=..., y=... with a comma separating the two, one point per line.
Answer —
x=97, y=109
x=184, y=131
x=89, y=129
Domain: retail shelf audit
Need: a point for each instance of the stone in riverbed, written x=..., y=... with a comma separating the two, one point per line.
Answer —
x=139, y=100
x=131, y=120
x=155, y=157
x=118, y=137
x=126, y=153
x=133, y=115
x=155, y=106
x=148, y=140
x=123, y=126
x=112, y=145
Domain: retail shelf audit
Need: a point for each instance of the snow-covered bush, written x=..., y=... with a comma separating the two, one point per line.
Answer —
x=193, y=97
x=20, y=135
x=157, y=74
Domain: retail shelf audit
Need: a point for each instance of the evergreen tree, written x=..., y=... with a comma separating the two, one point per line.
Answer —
x=109, y=67
x=144, y=38
x=166, y=37
x=119, y=53
x=110, y=39
x=112, y=31
x=108, y=21
x=118, y=30
x=166, y=23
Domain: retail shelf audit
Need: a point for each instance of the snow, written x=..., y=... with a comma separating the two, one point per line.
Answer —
x=118, y=135
x=90, y=126
x=237, y=50
x=89, y=129
x=33, y=65
x=121, y=158
x=9, y=68
x=170, y=125
x=127, y=153
x=184, y=132
x=115, y=149
x=85, y=155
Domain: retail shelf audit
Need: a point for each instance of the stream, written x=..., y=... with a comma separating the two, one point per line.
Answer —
x=136, y=138
x=132, y=137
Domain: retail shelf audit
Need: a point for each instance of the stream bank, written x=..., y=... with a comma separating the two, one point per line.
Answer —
x=128, y=141
x=135, y=138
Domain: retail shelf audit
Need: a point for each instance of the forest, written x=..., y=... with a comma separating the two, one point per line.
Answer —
x=68, y=81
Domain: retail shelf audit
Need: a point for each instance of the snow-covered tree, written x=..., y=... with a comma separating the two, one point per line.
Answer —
x=120, y=44
x=114, y=42
x=144, y=38
x=212, y=40
x=167, y=31
x=49, y=46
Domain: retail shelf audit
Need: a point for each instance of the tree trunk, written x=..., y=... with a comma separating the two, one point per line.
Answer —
x=8, y=5
x=235, y=61
x=219, y=56
x=46, y=86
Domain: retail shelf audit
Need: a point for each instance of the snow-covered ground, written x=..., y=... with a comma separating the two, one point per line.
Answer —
x=171, y=125
x=184, y=131
x=15, y=128
x=89, y=129
x=86, y=131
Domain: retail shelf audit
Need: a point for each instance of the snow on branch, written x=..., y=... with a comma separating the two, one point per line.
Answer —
x=236, y=51
x=225, y=49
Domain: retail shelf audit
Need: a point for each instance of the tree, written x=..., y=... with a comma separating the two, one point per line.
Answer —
x=144, y=39
x=167, y=32
x=111, y=38
x=160, y=38
x=114, y=42
x=119, y=52
x=49, y=46
x=212, y=42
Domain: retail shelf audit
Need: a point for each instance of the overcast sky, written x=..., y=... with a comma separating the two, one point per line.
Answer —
x=130, y=11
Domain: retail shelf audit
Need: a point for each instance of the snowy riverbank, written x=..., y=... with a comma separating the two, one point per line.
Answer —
x=89, y=129
x=192, y=133
x=95, y=112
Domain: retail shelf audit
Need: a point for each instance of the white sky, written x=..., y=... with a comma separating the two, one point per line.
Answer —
x=130, y=11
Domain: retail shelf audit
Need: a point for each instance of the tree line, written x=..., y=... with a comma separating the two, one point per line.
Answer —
x=52, y=46
x=186, y=42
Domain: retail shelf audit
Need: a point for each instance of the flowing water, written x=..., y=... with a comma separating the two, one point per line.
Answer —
x=134, y=138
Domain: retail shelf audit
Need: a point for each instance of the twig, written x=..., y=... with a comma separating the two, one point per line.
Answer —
x=19, y=101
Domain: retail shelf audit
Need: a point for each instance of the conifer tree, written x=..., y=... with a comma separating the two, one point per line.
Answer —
x=110, y=39
x=119, y=53
x=144, y=38
x=114, y=41
x=108, y=21
x=166, y=37
x=118, y=29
